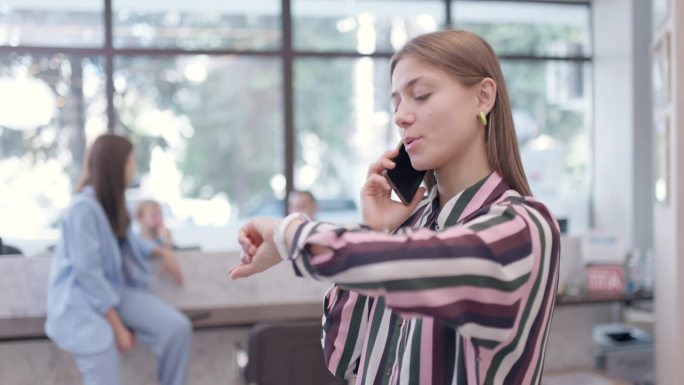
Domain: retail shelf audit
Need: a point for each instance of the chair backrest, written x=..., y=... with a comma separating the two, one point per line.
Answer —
x=8, y=250
x=287, y=354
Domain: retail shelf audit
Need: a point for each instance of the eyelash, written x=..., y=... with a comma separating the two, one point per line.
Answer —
x=420, y=98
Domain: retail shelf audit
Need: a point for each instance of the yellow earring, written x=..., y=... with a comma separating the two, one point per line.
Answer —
x=483, y=119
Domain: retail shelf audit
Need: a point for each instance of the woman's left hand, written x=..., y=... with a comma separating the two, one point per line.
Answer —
x=259, y=253
x=170, y=265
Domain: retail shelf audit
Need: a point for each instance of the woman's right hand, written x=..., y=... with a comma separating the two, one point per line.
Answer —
x=378, y=210
x=124, y=339
x=122, y=335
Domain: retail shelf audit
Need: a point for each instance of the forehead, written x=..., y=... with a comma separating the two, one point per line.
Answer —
x=410, y=68
x=151, y=208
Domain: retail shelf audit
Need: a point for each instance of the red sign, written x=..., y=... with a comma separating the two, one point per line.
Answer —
x=605, y=278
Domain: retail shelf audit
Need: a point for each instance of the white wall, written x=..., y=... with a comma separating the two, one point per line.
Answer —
x=669, y=220
x=613, y=124
x=622, y=114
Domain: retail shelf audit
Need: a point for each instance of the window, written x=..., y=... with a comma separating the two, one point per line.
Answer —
x=552, y=116
x=342, y=117
x=527, y=28
x=545, y=50
x=363, y=26
x=50, y=107
x=197, y=24
x=200, y=126
x=205, y=88
x=66, y=23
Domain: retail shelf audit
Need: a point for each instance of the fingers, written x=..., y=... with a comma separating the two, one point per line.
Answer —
x=173, y=269
x=246, y=258
x=177, y=276
x=246, y=245
x=377, y=180
x=385, y=162
x=417, y=198
x=242, y=271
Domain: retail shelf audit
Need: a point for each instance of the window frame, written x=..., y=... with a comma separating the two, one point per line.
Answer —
x=287, y=53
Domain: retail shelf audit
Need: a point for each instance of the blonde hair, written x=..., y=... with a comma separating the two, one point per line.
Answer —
x=143, y=205
x=470, y=59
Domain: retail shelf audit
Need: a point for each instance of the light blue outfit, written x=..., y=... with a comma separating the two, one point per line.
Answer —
x=92, y=273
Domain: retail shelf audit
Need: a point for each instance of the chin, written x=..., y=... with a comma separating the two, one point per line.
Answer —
x=421, y=164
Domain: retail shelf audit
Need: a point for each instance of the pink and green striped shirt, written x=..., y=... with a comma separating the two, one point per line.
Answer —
x=458, y=295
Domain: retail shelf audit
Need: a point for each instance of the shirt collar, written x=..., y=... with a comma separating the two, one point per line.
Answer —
x=458, y=208
x=88, y=189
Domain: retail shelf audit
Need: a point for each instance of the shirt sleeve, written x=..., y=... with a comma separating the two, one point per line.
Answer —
x=345, y=317
x=473, y=276
x=84, y=244
x=142, y=244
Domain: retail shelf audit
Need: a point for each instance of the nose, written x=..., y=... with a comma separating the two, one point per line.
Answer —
x=403, y=118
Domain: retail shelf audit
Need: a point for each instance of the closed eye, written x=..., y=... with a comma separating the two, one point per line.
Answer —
x=422, y=98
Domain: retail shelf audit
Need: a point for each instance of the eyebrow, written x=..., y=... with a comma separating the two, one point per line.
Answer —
x=408, y=85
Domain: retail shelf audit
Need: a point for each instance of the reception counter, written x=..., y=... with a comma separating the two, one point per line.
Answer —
x=222, y=311
x=207, y=295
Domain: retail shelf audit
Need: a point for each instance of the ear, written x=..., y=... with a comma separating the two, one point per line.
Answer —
x=486, y=95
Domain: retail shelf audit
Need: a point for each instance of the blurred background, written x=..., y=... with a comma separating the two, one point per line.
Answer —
x=232, y=105
x=229, y=103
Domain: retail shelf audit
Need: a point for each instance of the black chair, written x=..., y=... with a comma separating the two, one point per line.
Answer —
x=286, y=354
x=8, y=250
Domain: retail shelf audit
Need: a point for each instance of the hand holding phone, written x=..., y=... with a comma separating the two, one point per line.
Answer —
x=404, y=179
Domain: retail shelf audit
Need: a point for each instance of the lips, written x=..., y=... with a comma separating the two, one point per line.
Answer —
x=410, y=142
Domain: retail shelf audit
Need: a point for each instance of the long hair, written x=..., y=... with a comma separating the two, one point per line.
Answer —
x=105, y=170
x=470, y=59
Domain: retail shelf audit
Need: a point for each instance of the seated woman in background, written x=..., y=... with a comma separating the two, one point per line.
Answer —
x=151, y=220
x=97, y=298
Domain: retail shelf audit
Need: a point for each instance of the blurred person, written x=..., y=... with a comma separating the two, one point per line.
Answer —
x=97, y=301
x=456, y=287
x=151, y=220
x=304, y=202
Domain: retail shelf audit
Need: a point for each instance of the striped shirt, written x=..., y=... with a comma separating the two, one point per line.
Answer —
x=458, y=295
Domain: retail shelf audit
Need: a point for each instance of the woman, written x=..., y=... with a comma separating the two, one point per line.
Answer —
x=96, y=299
x=463, y=291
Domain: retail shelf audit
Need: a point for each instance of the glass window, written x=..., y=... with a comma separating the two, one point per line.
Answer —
x=343, y=123
x=363, y=26
x=519, y=28
x=64, y=23
x=201, y=126
x=197, y=24
x=50, y=107
x=551, y=103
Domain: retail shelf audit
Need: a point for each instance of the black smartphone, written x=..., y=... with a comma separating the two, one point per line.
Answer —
x=404, y=179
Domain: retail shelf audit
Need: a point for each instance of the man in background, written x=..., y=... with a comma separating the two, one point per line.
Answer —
x=303, y=202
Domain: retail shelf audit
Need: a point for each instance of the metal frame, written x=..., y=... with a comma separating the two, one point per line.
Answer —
x=287, y=53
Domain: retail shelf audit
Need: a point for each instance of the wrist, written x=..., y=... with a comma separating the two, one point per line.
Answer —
x=282, y=238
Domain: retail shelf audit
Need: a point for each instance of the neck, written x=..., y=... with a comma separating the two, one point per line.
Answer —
x=461, y=173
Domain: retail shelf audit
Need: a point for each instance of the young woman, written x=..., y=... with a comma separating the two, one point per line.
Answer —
x=97, y=300
x=463, y=290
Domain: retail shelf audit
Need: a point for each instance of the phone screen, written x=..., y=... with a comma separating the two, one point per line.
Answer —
x=404, y=179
